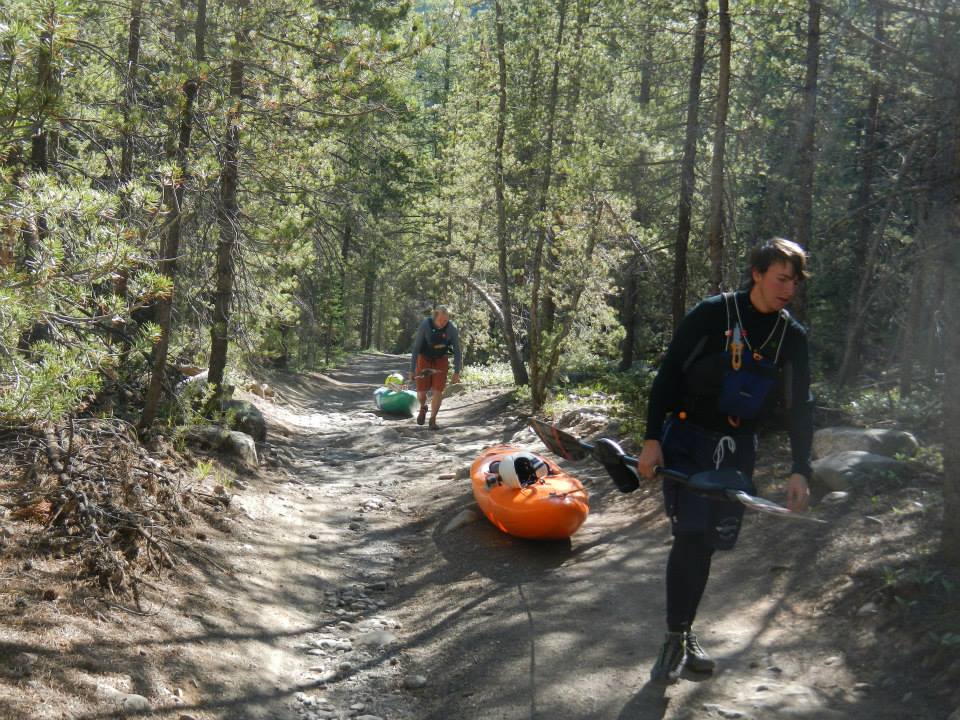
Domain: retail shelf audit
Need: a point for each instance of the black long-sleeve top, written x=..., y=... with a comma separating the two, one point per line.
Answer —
x=690, y=375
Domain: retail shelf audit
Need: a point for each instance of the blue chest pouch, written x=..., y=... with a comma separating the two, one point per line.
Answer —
x=745, y=391
x=749, y=378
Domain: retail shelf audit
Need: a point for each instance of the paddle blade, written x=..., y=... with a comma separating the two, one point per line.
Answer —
x=561, y=443
x=766, y=506
x=719, y=481
x=619, y=466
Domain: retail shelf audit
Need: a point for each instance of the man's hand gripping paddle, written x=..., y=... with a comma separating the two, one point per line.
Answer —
x=622, y=468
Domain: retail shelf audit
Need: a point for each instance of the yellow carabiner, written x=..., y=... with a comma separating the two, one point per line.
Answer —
x=736, y=355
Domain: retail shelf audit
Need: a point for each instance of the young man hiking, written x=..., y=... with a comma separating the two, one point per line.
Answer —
x=437, y=338
x=732, y=358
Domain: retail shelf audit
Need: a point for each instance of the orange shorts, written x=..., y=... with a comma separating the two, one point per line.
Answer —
x=435, y=381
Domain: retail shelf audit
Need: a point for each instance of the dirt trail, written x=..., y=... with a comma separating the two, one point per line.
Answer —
x=332, y=590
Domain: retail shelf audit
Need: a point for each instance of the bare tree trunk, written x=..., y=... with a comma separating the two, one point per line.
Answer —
x=912, y=324
x=628, y=314
x=950, y=253
x=129, y=101
x=130, y=91
x=229, y=222
x=861, y=302
x=46, y=89
x=851, y=356
x=34, y=232
x=520, y=376
x=631, y=294
x=381, y=311
x=951, y=357
x=687, y=166
x=541, y=309
x=715, y=231
x=173, y=201
x=548, y=365
x=932, y=351
x=950, y=541
x=369, y=285
x=803, y=233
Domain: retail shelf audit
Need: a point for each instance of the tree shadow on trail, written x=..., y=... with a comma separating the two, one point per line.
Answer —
x=482, y=548
x=649, y=703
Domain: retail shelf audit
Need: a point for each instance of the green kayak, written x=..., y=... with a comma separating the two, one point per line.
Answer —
x=395, y=402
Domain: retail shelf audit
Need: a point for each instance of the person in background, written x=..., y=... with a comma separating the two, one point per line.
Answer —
x=437, y=338
x=732, y=360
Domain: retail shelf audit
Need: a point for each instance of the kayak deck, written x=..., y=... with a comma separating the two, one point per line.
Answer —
x=552, y=509
x=399, y=402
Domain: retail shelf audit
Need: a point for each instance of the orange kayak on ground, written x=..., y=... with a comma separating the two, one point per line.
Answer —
x=553, y=508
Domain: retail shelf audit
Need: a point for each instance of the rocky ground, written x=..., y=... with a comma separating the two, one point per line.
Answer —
x=351, y=577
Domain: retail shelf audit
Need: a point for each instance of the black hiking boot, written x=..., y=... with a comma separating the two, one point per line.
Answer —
x=669, y=660
x=697, y=659
x=433, y=424
x=422, y=415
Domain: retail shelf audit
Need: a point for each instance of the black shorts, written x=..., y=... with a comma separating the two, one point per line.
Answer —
x=690, y=449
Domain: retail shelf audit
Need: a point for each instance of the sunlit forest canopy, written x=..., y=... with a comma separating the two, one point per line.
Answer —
x=277, y=184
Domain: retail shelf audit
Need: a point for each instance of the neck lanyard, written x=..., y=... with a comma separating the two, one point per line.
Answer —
x=773, y=330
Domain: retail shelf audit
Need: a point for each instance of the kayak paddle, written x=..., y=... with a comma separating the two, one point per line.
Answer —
x=727, y=484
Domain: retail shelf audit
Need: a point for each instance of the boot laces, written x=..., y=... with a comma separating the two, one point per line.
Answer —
x=693, y=645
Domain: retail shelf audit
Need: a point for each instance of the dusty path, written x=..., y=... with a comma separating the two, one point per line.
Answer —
x=333, y=588
x=503, y=628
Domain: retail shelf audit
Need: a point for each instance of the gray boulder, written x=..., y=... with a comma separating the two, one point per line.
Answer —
x=832, y=440
x=231, y=441
x=242, y=445
x=246, y=417
x=454, y=389
x=843, y=470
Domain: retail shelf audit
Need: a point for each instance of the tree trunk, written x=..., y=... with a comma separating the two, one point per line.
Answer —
x=628, y=315
x=542, y=310
x=381, y=311
x=369, y=285
x=803, y=233
x=173, y=193
x=851, y=357
x=914, y=318
x=950, y=253
x=228, y=221
x=128, y=102
x=130, y=91
x=932, y=347
x=861, y=302
x=34, y=231
x=715, y=231
x=549, y=363
x=950, y=540
x=687, y=166
x=640, y=214
x=33, y=236
x=520, y=376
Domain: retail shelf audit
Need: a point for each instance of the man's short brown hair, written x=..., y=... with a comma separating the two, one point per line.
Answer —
x=778, y=250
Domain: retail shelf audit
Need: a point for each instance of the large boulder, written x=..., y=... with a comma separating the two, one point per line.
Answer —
x=246, y=417
x=231, y=441
x=585, y=421
x=844, y=470
x=454, y=389
x=832, y=440
x=242, y=445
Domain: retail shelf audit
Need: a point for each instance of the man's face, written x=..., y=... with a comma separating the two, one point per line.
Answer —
x=440, y=320
x=774, y=289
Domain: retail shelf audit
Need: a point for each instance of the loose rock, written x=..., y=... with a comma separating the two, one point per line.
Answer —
x=413, y=682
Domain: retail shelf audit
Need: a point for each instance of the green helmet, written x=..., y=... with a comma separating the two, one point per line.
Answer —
x=394, y=380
